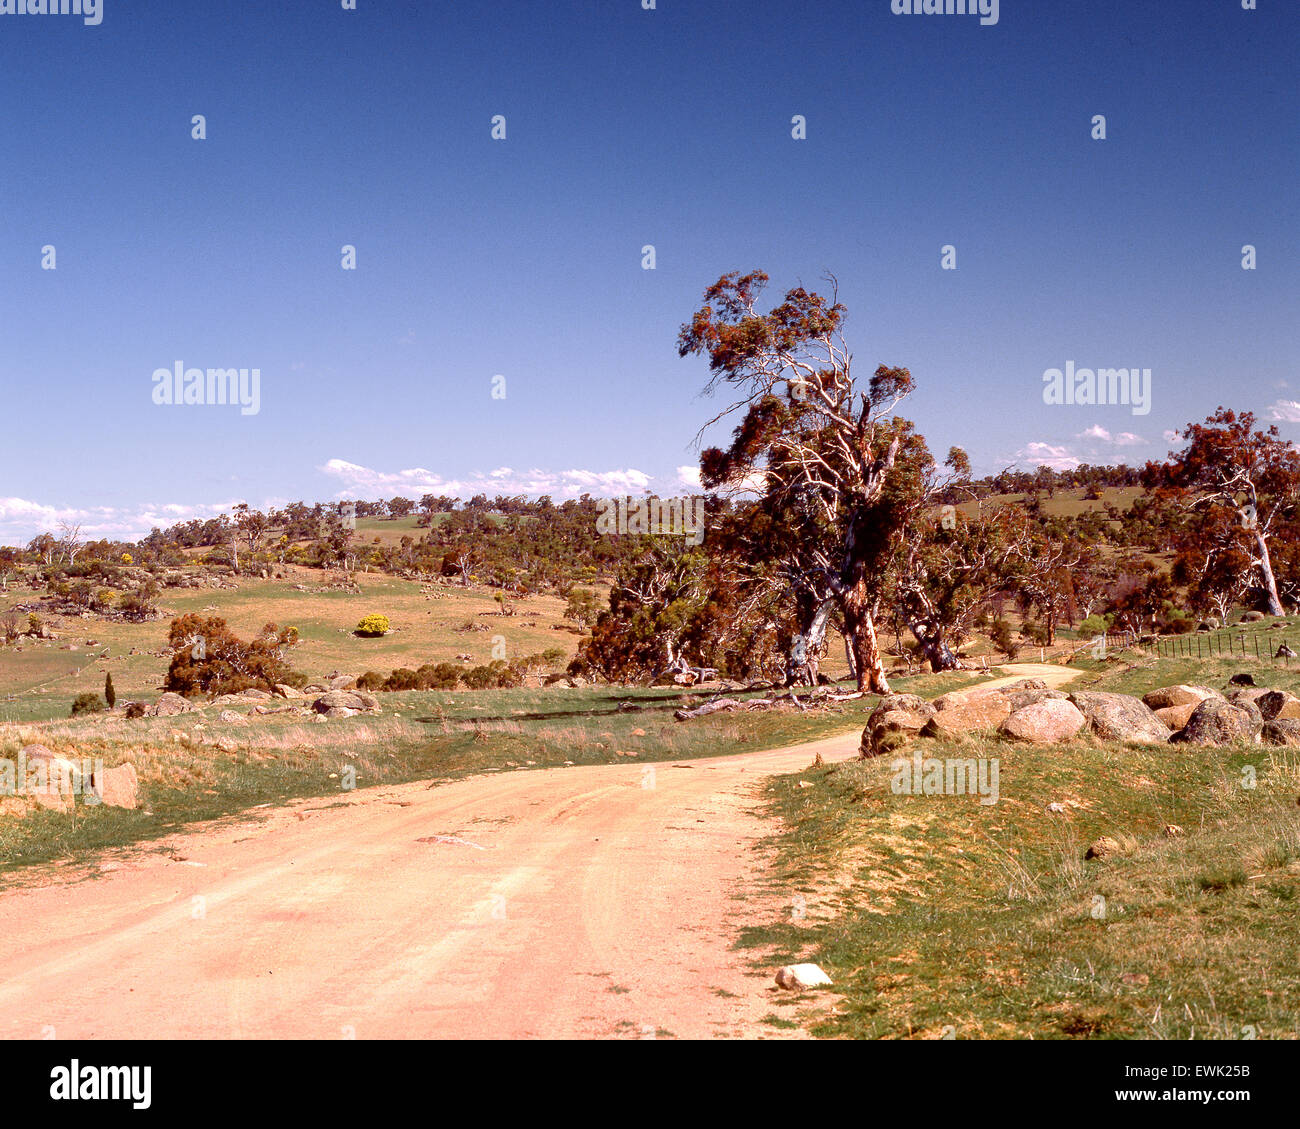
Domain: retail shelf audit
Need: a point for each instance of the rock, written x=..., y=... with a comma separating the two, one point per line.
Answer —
x=1281, y=731
x=230, y=717
x=1277, y=703
x=1173, y=831
x=1044, y=723
x=1241, y=680
x=343, y=682
x=1105, y=847
x=909, y=703
x=1057, y=809
x=1177, y=716
x=313, y=688
x=288, y=692
x=169, y=705
x=345, y=703
x=1022, y=698
x=255, y=695
x=55, y=778
x=799, y=976
x=1121, y=717
x=225, y=746
x=1167, y=696
x=118, y=787
x=1026, y=684
x=1284, y=652
x=1219, y=723
x=986, y=711
x=886, y=731
x=1251, y=617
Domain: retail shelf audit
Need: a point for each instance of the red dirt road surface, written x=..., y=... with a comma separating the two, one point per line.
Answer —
x=596, y=902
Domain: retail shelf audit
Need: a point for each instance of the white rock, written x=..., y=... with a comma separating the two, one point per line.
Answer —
x=796, y=976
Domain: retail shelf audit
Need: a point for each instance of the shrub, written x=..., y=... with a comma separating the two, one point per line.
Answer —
x=1003, y=640
x=485, y=677
x=403, y=678
x=371, y=680
x=373, y=625
x=1093, y=626
x=444, y=676
x=135, y=709
x=110, y=695
x=89, y=702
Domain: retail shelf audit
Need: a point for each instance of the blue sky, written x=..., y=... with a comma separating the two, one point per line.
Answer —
x=522, y=257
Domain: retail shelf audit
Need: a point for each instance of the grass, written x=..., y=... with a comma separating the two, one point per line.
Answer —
x=187, y=778
x=934, y=914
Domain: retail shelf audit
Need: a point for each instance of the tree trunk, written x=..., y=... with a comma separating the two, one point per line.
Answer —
x=860, y=627
x=1270, y=581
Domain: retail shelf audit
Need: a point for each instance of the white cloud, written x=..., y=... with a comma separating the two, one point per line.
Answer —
x=1287, y=411
x=1172, y=436
x=1096, y=431
x=361, y=480
x=1128, y=439
x=21, y=520
x=1045, y=454
x=689, y=476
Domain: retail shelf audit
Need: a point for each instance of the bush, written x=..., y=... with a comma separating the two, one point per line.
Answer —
x=1003, y=640
x=89, y=702
x=1093, y=626
x=489, y=677
x=373, y=625
x=371, y=680
x=444, y=676
x=110, y=695
x=135, y=709
x=402, y=678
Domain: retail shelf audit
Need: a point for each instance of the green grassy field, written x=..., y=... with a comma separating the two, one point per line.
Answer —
x=938, y=917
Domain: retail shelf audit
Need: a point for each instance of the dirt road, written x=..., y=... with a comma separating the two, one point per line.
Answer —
x=578, y=902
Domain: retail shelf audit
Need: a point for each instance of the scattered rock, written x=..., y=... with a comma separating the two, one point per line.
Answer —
x=1220, y=723
x=1045, y=722
x=1102, y=848
x=288, y=692
x=1167, y=696
x=1173, y=831
x=345, y=703
x=986, y=711
x=1121, y=717
x=1241, y=680
x=169, y=705
x=1251, y=617
x=1281, y=731
x=1284, y=652
x=795, y=977
x=118, y=787
x=230, y=717
x=1278, y=703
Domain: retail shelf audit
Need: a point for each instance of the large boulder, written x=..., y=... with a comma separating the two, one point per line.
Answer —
x=118, y=787
x=1220, y=723
x=288, y=692
x=1176, y=716
x=343, y=682
x=1019, y=699
x=887, y=728
x=52, y=779
x=1120, y=717
x=1282, y=731
x=254, y=695
x=345, y=703
x=1167, y=696
x=984, y=711
x=1045, y=722
x=1278, y=704
x=169, y=705
x=1249, y=695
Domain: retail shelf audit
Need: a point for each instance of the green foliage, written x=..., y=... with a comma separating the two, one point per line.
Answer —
x=1003, y=639
x=373, y=625
x=372, y=680
x=110, y=695
x=89, y=702
x=208, y=658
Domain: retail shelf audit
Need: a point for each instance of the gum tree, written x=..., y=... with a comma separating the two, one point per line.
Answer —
x=1239, y=485
x=818, y=449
